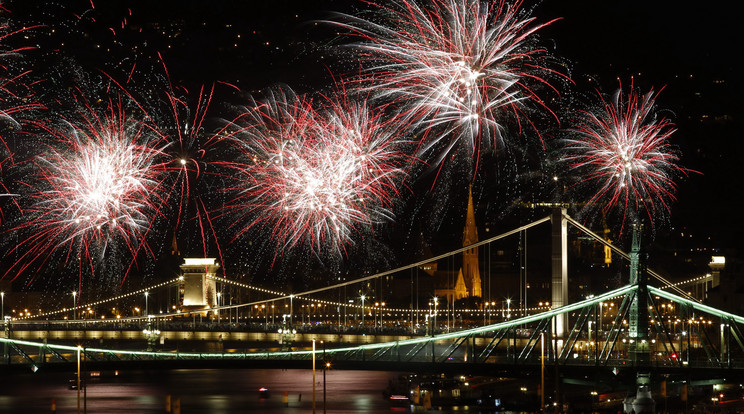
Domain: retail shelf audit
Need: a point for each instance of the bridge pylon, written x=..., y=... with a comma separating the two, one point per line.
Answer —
x=638, y=316
x=559, y=259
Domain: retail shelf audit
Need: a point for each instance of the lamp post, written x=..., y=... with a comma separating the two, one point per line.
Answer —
x=2, y=296
x=542, y=371
x=219, y=295
x=382, y=313
x=152, y=336
x=375, y=311
x=74, y=305
x=485, y=310
x=326, y=365
x=434, y=326
x=266, y=316
x=147, y=294
x=78, y=379
x=291, y=307
x=362, y=311
x=313, y=376
x=601, y=312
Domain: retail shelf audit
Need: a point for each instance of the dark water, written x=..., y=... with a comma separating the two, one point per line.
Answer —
x=200, y=391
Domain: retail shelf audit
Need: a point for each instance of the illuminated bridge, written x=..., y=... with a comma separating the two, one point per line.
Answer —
x=633, y=329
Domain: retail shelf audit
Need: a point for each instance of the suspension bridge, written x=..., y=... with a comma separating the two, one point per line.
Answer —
x=631, y=331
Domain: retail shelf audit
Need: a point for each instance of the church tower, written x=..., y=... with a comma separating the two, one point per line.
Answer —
x=470, y=269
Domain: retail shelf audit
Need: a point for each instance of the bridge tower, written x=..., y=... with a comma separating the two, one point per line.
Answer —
x=639, y=348
x=559, y=258
x=638, y=314
x=199, y=291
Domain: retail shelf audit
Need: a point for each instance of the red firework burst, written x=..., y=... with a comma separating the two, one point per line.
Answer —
x=461, y=69
x=315, y=177
x=99, y=181
x=623, y=154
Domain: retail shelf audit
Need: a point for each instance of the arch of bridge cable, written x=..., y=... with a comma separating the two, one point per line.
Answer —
x=305, y=295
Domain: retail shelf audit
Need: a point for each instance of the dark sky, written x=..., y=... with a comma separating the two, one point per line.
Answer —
x=693, y=52
x=663, y=38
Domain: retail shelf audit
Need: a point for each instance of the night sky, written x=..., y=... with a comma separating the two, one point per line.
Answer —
x=693, y=53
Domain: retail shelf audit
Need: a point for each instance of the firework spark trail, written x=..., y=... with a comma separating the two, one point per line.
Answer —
x=190, y=149
x=316, y=177
x=100, y=181
x=462, y=68
x=15, y=98
x=623, y=153
x=185, y=126
x=181, y=115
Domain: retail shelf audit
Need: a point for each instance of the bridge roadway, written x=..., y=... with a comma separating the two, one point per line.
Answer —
x=226, y=339
x=126, y=348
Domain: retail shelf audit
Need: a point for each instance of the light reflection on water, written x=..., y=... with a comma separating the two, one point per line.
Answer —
x=200, y=391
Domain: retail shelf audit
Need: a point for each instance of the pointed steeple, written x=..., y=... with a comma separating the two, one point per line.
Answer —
x=174, y=245
x=461, y=289
x=470, y=269
x=470, y=235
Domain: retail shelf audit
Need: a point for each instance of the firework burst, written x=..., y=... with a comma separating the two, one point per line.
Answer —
x=314, y=177
x=98, y=182
x=623, y=153
x=462, y=69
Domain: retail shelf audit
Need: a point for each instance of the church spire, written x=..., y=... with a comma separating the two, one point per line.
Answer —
x=174, y=245
x=470, y=269
x=470, y=235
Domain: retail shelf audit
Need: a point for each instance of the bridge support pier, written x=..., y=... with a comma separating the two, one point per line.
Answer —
x=643, y=403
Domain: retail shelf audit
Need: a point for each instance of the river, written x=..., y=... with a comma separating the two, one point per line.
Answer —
x=214, y=391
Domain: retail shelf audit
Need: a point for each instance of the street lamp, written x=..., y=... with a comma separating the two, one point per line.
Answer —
x=74, y=305
x=147, y=294
x=152, y=336
x=485, y=310
x=266, y=315
x=219, y=304
x=376, y=311
x=382, y=313
x=434, y=327
x=2, y=295
x=291, y=308
x=363, y=310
